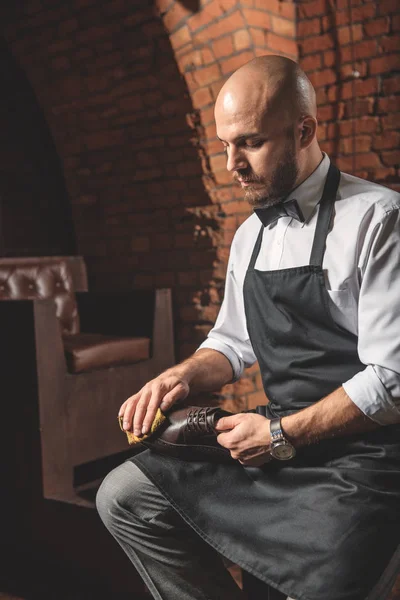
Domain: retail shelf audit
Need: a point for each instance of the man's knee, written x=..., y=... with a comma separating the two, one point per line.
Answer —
x=127, y=493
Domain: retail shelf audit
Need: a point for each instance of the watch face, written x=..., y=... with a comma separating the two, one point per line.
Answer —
x=283, y=451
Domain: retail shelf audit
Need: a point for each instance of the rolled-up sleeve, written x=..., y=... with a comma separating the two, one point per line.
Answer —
x=229, y=334
x=376, y=389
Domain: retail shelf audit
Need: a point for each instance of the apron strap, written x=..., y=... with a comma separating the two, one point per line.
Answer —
x=256, y=249
x=326, y=206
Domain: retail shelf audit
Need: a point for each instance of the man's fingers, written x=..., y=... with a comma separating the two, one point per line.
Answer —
x=226, y=423
x=140, y=411
x=179, y=392
x=129, y=410
x=152, y=407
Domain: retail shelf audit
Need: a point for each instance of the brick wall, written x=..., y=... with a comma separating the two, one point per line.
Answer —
x=128, y=90
x=208, y=46
x=351, y=57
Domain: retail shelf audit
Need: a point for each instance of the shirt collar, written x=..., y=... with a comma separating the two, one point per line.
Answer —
x=309, y=192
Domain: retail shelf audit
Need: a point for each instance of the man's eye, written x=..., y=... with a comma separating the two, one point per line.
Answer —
x=254, y=144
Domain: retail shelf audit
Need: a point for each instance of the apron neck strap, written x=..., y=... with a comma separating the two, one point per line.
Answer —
x=256, y=249
x=326, y=206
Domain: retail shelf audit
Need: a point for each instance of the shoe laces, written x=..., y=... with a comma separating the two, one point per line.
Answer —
x=198, y=421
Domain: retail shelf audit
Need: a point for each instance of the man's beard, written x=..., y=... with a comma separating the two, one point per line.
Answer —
x=278, y=187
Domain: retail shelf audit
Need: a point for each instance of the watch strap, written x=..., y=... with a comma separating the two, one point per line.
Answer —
x=275, y=428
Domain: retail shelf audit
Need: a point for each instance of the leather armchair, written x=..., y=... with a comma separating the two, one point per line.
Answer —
x=69, y=358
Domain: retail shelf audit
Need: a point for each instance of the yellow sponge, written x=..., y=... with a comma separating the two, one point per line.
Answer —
x=134, y=439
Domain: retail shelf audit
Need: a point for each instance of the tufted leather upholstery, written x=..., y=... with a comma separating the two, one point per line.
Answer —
x=45, y=279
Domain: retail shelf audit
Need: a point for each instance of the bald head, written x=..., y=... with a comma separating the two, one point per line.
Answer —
x=272, y=84
x=266, y=119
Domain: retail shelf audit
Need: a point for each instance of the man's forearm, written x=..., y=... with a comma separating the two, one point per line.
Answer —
x=207, y=370
x=333, y=416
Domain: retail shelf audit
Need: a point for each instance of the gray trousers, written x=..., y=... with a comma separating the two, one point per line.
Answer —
x=171, y=558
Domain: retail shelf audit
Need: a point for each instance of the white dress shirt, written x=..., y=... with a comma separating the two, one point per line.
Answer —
x=362, y=275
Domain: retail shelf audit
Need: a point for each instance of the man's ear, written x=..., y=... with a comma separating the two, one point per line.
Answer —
x=308, y=129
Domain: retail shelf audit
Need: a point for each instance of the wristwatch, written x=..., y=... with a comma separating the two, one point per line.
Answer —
x=281, y=448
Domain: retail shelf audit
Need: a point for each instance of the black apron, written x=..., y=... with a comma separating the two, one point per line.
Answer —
x=324, y=525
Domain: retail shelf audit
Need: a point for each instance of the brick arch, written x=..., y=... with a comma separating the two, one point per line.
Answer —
x=128, y=93
x=209, y=44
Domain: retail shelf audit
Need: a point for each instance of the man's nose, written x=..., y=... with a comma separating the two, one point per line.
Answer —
x=235, y=160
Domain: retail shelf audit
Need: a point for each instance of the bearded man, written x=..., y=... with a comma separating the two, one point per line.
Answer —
x=310, y=505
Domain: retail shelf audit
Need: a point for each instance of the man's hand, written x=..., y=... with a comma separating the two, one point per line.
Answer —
x=163, y=392
x=247, y=437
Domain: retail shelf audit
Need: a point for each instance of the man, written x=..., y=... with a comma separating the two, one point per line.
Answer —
x=312, y=293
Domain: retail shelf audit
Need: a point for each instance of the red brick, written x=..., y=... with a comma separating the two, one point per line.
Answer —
x=259, y=36
x=388, y=6
x=280, y=44
x=163, y=5
x=180, y=37
x=346, y=71
x=359, y=87
x=390, y=139
x=188, y=278
x=207, y=115
x=396, y=23
x=377, y=27
x=389, y=105
x=329, y=58
x=205, y=15
x=283, y=27
x=381, y=175
x=349, y=35
x=366, y=161
x=218, y=163
x=242, y=39
x=364, y=49
x=361, y=107
x=390, y=121
x=326, y=113
x=360, y=125
x=384, y=64
x=391, y=85
x=317, y=44
x=207, y=56
x=309, y=27
x=322, y=78
x=263, y=51
x=202, y=97
x=207, y=75
x=223, y=46
x=140, y=243
x=189, y=60
x=176, y=16
x=343, y=4
x=362, y=14
x=311, y=9
x=390, y=44
x=358, y=144
x=391, y=158
x=279, y=7
x=310, y=62
x=257, y=18
x=231, y=64
x=225, y=25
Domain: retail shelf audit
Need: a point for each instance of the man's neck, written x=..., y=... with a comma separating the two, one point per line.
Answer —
x=312, y=162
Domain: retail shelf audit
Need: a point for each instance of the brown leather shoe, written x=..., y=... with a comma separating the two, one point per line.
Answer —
x=189, y=434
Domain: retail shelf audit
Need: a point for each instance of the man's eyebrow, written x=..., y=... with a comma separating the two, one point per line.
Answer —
x=244, y=136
